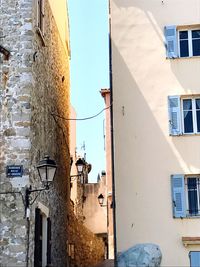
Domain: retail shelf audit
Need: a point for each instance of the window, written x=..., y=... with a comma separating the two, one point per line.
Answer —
x=194, y=258
x=193, y=195
x=184, y=115
x=189, y=43
x=182, y=43
x=40, y=15
x=185, y=195
x=191, y=115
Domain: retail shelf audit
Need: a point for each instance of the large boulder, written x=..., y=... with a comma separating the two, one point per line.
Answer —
x=140, y=255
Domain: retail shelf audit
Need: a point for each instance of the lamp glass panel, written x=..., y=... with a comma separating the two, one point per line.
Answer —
x=47, y=173
x=80, y=168
x=42, y=173
x=101, y=199
x=50, y=173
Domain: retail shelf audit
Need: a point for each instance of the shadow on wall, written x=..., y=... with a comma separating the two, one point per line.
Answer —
x=144, y=154
x=143, y=136
x=155, y=15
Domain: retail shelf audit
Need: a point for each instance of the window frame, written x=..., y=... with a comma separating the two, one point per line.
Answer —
x=190, y=48
x=197, y=177
x=194, y=115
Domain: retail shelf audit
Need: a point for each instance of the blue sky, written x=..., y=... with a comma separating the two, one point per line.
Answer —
x=89, y=73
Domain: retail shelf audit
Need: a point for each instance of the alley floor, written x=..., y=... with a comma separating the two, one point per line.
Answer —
x=106, y=263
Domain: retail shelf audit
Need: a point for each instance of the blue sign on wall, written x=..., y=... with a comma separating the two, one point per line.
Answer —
x=14, y=171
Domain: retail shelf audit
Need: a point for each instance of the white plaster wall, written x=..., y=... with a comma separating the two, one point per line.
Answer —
x=145, y=154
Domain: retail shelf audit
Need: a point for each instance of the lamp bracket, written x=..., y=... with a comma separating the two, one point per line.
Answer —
x=28, y=192
x=74, y=177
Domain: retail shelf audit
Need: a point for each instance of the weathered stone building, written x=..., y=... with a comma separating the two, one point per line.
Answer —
x=34, y=84
x=84, y=247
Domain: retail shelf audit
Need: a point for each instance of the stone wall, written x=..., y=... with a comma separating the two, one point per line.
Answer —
x=88, y=249
x=34, y=83
x=50, y=134
x=15, y=118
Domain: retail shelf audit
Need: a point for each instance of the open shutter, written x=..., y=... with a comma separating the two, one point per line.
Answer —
x=38, y=239
x=42, y=15
x=194, y=258
x=178, y=196
x=38, y=13
x=171, y=41
x=48, y=242
x=174, y=115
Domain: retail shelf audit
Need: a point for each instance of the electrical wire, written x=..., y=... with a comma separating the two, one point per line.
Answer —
x=81, y=119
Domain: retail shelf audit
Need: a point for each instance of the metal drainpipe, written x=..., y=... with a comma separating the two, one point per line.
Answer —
x=112, y=140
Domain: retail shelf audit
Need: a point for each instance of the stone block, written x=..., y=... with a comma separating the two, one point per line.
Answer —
x=20, y=143
x=21, y=117
x=9, y=132
x=23, y=124
x=140, y=255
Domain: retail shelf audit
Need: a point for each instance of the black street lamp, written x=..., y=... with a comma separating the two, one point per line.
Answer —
x=101, y=200
x=80, y=163
x=47, y=170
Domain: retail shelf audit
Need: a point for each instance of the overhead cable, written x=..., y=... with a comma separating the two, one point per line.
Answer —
x=80, y=119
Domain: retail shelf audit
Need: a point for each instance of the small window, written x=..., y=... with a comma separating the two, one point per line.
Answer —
x=184, y=115
x=185, y=195
x=191, y=115
x=193, y=195
x=182, y=43
x=189, y=43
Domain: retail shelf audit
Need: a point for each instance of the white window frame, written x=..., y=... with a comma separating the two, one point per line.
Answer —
x=189, y=42
x=194, y=115
x=186, y=194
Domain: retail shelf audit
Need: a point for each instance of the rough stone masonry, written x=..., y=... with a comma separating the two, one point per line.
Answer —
x=34, y=81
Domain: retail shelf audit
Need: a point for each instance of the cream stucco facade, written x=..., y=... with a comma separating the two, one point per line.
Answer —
x=145, y=154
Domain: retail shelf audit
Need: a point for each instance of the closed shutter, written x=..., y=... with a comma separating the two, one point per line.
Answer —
x=48, y=242
x=174, y=115
x=38, y=239
x=178, y=196
x=194, y=258
x=171, y=41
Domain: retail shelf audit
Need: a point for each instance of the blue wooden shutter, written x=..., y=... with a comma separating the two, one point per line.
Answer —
x=174, y=115
x=171, y=41
x=178, y=196
x=194, y=258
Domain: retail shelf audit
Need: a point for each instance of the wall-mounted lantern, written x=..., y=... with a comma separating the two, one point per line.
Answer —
x=47, y=170
x=101, y=200
x=80, y=165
